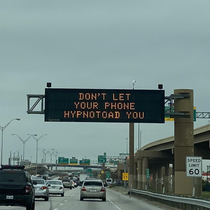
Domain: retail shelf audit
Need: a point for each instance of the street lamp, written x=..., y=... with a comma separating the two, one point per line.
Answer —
x=16, y=158
x=56, y=154
x=24, y=142
x=126, y=146
x=51, y=153
x=56, y=161
x=44, y=151
x=2, y=129
x=37, y=140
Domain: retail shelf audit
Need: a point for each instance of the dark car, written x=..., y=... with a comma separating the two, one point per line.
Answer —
x=16, y=188
x=67, y=183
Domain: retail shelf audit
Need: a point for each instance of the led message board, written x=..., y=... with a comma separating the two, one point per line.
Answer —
x=104, y=105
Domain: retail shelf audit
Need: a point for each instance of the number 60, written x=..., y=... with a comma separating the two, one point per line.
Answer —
x=194, y=171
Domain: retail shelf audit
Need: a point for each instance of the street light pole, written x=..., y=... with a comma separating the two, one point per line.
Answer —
x=127, y=142
x=16, y=158
x=37, y=140
x=51, y=153
x=45, y=153
x=56, y=161
x=24, y=142
x=2, y=129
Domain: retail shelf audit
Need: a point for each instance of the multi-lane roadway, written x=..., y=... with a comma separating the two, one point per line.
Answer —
x=71, y=201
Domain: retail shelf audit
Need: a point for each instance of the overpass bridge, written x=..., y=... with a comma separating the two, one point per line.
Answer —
x=45, y=168
x=158, y=157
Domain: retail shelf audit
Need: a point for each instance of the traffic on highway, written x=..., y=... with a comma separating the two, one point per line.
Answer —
x=71, y=200
x=19, y=190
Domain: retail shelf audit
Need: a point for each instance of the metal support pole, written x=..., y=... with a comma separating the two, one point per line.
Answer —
x=125, y=172
x=37, y=147
x=36, y=154
x=131, y=156
x=2, y=145
x=2, y=129
x=24, y=142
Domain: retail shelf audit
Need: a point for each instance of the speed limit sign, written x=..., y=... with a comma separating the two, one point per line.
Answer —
x=194, y=166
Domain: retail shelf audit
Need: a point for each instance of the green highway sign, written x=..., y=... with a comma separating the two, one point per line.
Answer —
x=147, y=173
x=108, y=174
x=89, y=170
x=167, y=116
x=115, y=162
x=194, y=113
x=84, y=162
x=73, y=161
x=63, y=160
x=101, y=159
x=167, y=110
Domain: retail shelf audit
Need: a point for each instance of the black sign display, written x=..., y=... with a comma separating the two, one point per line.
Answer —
x=104, y=105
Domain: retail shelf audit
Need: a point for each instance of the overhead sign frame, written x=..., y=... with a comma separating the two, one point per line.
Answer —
x=104, y=105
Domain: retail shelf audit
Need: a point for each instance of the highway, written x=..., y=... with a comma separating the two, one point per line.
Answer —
x=71, y=201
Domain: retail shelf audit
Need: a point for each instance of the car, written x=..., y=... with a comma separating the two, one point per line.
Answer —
x=67, y=183
x=72, y=183
x=93, y=189
x=109, y=181
x=75, y=183
x=16, y=187
x=56, y=187
x=41, y=189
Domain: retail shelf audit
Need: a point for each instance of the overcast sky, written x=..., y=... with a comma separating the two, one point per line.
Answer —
x=101, y=45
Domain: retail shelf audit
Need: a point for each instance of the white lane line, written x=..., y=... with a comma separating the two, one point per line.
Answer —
x=114, y=204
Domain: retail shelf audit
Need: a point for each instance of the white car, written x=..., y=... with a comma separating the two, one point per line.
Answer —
x=93, y=189
x=109, y=181
x=41, y=189
x=56, y=187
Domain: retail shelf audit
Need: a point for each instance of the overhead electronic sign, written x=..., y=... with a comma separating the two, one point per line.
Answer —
x=104, y=105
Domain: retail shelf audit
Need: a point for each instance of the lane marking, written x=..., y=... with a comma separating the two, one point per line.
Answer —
x=114, y=204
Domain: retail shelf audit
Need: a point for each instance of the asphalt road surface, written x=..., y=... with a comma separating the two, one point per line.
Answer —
x=71, y=201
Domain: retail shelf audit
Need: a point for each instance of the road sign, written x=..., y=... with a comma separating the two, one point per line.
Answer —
x=194, y=166
x=104, y=105
x=84, y=162
x=89, y=170
x=194, y=114
x=73, y=161
x=101, y=159
x=125, y=176
x=168, y=118
x=108, y=174
x=102, y=172
x=63, y=160
x=167, y=110
x=147, y=173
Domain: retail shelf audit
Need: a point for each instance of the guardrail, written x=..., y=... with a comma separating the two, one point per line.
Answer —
x=175, y=201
